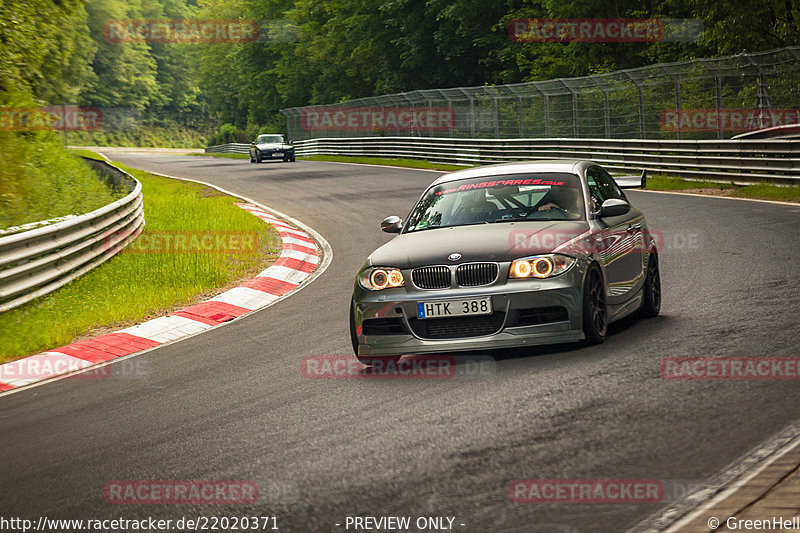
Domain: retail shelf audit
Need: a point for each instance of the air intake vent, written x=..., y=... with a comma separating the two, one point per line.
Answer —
x=457, y=327
x=431, y=277
x=475, y=274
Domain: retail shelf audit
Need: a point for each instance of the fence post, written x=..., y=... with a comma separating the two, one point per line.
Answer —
x=547, y=116
x=496, y=118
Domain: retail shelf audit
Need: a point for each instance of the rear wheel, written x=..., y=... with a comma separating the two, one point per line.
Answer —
x=595, y=312
x=651, y=303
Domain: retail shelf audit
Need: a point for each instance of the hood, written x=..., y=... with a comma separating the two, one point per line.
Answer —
x=272, y=146
x=496, y=242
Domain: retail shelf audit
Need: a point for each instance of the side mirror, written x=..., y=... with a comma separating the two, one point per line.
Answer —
x=392, y=224
x=614, y=207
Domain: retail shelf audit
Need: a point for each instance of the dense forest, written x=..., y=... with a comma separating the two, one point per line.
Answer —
x=323, y=51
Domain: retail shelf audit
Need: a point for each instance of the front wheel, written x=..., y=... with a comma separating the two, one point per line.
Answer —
x=595, y=312
x=368, y=360
x=651, y=303
x=353, y=335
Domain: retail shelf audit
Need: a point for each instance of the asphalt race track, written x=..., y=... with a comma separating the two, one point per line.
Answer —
x=231, y=404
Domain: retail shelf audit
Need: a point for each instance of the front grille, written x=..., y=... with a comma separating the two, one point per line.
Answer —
x=474, y=274
x=457, y=327
x=541, y=315
x=431, y=277
x=382, y=326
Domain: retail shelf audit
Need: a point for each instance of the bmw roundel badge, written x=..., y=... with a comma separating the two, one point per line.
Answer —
x=455, y=256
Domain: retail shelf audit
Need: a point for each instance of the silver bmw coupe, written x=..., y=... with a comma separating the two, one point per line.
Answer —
x=506, y=256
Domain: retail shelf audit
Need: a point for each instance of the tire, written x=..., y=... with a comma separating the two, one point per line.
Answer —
x=367, y=360
x=595, y=310
x=291, y=159
x=651, y=303
x=353, y=336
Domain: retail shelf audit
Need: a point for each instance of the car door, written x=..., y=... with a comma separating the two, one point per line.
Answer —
x=622, y=237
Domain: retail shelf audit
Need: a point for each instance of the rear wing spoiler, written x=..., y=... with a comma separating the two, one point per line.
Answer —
x=632, y=182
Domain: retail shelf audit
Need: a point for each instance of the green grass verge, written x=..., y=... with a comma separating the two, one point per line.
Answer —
x=759, y=191
x=227, y=156
x=660, y=182
x=410, y=163
x=40, y=180
x=765, y=191
x=87, y=153
x=140, y=283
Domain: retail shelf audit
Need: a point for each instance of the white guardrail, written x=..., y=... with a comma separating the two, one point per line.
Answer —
x=230, y=148
x=740, y=161
x=38, y=258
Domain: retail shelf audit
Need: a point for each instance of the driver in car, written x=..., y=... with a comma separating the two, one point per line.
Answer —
x=563, y=198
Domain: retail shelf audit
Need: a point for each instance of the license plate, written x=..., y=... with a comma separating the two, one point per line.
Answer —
x=449, y=308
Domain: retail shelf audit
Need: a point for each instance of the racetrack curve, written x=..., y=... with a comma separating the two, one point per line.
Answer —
x=231, y=404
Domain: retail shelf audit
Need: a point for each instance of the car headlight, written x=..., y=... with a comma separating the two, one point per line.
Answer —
x=540, y=266
x=376, y=279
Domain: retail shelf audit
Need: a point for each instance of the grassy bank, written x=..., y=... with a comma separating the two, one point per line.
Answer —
x=143, y=136
x=40, y=180
x=144, y=281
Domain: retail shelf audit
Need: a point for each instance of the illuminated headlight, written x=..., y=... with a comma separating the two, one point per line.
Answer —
x=540, y=266
x=376, y=279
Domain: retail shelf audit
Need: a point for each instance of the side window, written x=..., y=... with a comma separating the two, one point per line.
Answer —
x=602, y=187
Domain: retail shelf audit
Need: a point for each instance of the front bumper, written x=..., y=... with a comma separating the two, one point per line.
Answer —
x=525, y=313
x=277, y=153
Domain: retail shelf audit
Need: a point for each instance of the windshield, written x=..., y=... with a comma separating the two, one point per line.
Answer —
x=493, y=199
x=269, y=139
